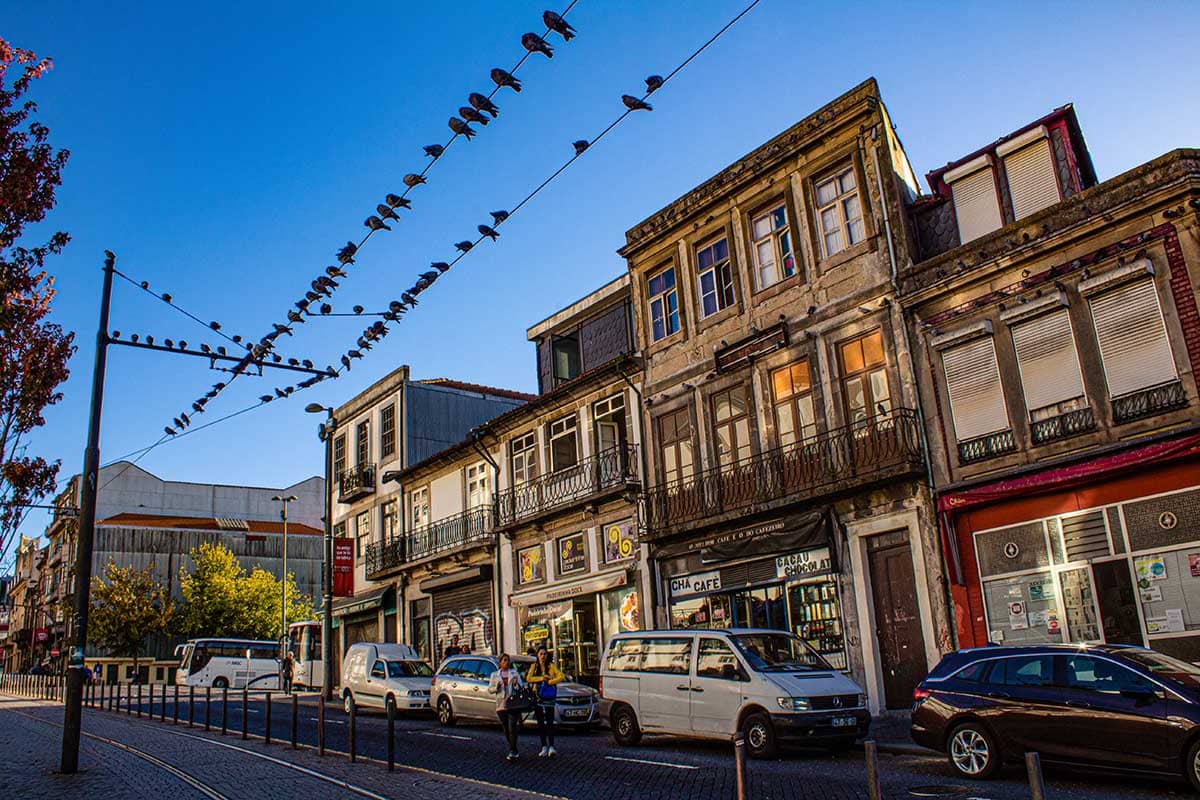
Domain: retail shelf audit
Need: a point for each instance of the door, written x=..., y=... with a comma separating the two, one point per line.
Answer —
x=716, y=689
x=665, y=687
x=1022, y=704
x=898, y=635
x=587, y=633
x=472, y=688
x=376, y=684
x=1118, y=602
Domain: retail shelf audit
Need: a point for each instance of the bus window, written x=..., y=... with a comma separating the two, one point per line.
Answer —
x=200, y=656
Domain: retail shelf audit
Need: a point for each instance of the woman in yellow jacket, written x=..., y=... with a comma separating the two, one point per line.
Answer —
x=544, y=677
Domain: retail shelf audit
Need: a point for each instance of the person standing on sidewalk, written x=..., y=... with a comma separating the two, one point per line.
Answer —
x=544, y=676
x=287, y=671
x=506, y=683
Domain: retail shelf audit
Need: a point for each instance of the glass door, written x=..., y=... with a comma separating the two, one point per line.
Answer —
x=1079, y=604
x=1118, y=602
x=587, y=658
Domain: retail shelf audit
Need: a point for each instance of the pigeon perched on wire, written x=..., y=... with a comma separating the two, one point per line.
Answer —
x=295, y=317
x=182, y=344
x=346, y=254
x=221, y=350
x=197, y=407
x=440, y=266
x=434, y=150
x=185, y=419
x=311, y=296
x=481, y=103
x=471, y=115
x=326, y=309
x=145, y=284
x=536, y=44
x=430, y=276
x=391, y=316
x=386, y=212
x=408, y=298
x=281, y=329
x=266, y=398
x=168, y=431
x=178, y=422
x=304, y=362
x=502, y=78
x=359, y=309
x=376, y=224
x=206, y=349
x=412, y=179
x=461, y=128
x=216, y=326
x=653, y=83
x=490, y=233
x=395, y=306
x=170, y=344
x=580, y=146
x=166, y=297
x=346, y=362
x=354, y=354
x=280, y=393
x=334, y=272
x=634, y=104
x=559, y=25
x=133, y=338
x=463, y=246
x=396, y=201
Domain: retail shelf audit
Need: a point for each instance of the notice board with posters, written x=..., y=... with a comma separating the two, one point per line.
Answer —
x=343, y=567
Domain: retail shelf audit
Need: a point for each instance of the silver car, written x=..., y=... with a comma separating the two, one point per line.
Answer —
x=460, y=691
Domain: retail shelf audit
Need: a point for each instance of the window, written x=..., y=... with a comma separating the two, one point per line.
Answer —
x=387, y=431
x=363, y=432
x=773, y=258
x=339, y=530
x=669, y=656
x=362, y=531
x=716, y=660
x=976, y=204
x=479, y=491
x=1029, y=164
x=571, y=555
x=566, y=357
x=531, y=567
x=339, y=456
x=1049, y=366
x=973, y=385
x=625, y=655
x=840, y=212
x=664, y=304
x=731, y=425
x=791, y=391
x=378, y=670
x=524, y=458
x=715, y=277
x=1025, y=671
x=609, y=415
x=389, y=519
x=865, y=378
x=675, y=443
x=1132, y=337
x=418, y=504
x=979, y=672
x=564, y=445
x=1101, y=675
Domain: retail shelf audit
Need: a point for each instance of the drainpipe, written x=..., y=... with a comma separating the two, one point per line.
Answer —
x=642, y=467
x=476, y=442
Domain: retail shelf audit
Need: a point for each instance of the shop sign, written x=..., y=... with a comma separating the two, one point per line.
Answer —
x=1018, y=620
x=535, y=634
x=530, y=565
x=619, y=542
x=55, y=653
x=799, y=565
x=1194, y=564
x=1149, y=568
x=571, y=557
x=569, y=591
x=41, y=635
x=697, y=583
x=543, y=611
x=628, y=611
x=343, y=567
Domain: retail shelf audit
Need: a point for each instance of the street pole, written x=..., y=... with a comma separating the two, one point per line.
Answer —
x=73, y=716
x=327, y=618
x=283, y=636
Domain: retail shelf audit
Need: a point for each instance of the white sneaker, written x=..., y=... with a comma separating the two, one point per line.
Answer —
x=551, y=752
x=544, y=751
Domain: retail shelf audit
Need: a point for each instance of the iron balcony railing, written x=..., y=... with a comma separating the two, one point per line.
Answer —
x=613, y=468
x=356, y=482
x=1148, y=402
x=845, y=457
x=473, y=526
x=1064, y=426
x=990, y=445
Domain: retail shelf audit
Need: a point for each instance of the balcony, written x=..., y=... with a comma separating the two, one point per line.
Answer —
x=851, y=457
x=356, y=482
x=444, y=536
x=981, y=448
x=608, y=472
x=1148, y=402
x=1064, y=426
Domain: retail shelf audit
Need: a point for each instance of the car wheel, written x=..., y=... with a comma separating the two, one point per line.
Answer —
x=1192, y=765
x=759, y=735
x=445, y=711
x=348, y=702
x=972, y=751
x=221, y=683
x=625, y=728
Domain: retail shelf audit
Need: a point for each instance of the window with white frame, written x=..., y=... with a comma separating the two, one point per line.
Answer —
x=839, y=210
x=973, y=384
x=664, y=304
x=339, y=456
x=773, y=258
x=524, y=458
x=390, y=518
x=714, y=277
x=418, y=507
x=564, y=444
x=362, y=531
x=1049, y=365
x=387, y=431
x=479, y=491
x=609, y=415
x=363, y=432
x=1133, y=339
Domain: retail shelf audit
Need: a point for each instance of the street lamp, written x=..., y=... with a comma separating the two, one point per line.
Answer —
x=283, y=636
x=325, y=432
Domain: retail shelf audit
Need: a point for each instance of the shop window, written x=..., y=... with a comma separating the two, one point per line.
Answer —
x=791, y=392
x=564, y=443
x=339, y=456
x=479, y=491
x=572, y=557
x=524, y=458
x=773, y=257
x=731, y=425
x=1049, y=365
x=419, y=609
x=675, y=445
x=864, y=378
x=839, y=211
x=363, y=435
x=1133, y=339
x=716, y=659
x=387, y=432
x=664, y=304
x=816, y=618
x=620, y=611
x=531, y=567
x=714, y=277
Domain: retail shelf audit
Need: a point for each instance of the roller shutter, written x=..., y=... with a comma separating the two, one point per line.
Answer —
x=975, y=204
x=1046, y=356
x=1032, y=184
x=973, y=383
x=1133, y=339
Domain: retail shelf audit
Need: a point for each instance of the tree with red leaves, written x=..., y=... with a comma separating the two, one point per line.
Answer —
x=33, y=351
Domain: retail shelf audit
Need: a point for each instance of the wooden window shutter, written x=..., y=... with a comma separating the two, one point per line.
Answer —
x=973, y=383
x=975, y=204
x=1032, y=184
x=1133, y=339
x=1047, y=359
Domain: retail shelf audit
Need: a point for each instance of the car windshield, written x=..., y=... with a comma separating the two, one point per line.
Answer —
x=777, y=652
x=408, y=669
x=1165, y=666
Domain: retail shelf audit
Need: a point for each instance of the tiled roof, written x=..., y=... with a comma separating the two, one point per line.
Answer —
x=478, y=387
x=133, y=520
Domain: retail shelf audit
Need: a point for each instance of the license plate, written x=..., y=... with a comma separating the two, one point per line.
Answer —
x=576, y=712
x=844, y=722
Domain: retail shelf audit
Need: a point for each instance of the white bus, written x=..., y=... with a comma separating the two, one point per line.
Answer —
x=229, y=663
x=305, y=642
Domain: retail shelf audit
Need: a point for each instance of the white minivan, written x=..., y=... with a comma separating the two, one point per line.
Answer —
x=767, y=684
x=383, y=674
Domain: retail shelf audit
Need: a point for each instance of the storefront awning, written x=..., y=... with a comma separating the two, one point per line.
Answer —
x=363, y=601
x=566, y=591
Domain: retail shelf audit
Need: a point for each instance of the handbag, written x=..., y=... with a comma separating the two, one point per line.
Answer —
x=521, y=699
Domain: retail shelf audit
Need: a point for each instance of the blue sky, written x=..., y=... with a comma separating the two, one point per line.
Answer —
x=225, y=151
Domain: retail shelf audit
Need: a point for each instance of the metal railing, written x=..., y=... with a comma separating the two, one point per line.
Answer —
x=840, y=458
x=609, y=469
x=981, y=448
x=356, y=481
x=473, y=526
x=1148, y=402
x=1064, y=426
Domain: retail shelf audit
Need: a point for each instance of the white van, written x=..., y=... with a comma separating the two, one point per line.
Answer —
x=384, y=674
x=711, y=684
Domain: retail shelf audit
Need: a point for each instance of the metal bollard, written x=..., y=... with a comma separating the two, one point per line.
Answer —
x=129, y=700
x=191, y=706
x=267, y=733
x=1033, y=766
x=139, y=708
x=295, y=719
x=353, y=732
x=207, y=705
x=224, y=710
x=175, y=707
x=162, y=712
x=321, y=724
x=872, y=756
x=245, y=712
x=739, y=761
x=391, y=714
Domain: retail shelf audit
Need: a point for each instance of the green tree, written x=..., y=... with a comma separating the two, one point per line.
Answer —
x=128, y=605
x=220, y=599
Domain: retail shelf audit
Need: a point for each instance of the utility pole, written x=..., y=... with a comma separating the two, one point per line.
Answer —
x=73, y=715
x=327, y=431
x=283, y=635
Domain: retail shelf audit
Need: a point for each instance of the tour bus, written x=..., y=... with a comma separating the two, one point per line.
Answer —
x=228, y=664
x=305, y=638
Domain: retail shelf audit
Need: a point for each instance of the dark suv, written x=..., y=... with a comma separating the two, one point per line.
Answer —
x=1126, y=709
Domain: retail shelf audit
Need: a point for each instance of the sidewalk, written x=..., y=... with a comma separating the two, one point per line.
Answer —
x=891, y=734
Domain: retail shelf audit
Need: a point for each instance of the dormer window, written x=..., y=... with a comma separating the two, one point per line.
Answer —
x=976, y=202
x=1029, y=164
x=566, y=358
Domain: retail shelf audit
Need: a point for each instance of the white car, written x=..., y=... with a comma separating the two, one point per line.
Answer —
x=711, y=684
x=384, y=674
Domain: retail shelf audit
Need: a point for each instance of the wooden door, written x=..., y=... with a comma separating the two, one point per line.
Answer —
x=897, y=617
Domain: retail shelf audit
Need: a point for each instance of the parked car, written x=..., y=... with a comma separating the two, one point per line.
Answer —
x=384, y=674
x=767, y=684
x=460, y=691
x=1112, y=707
